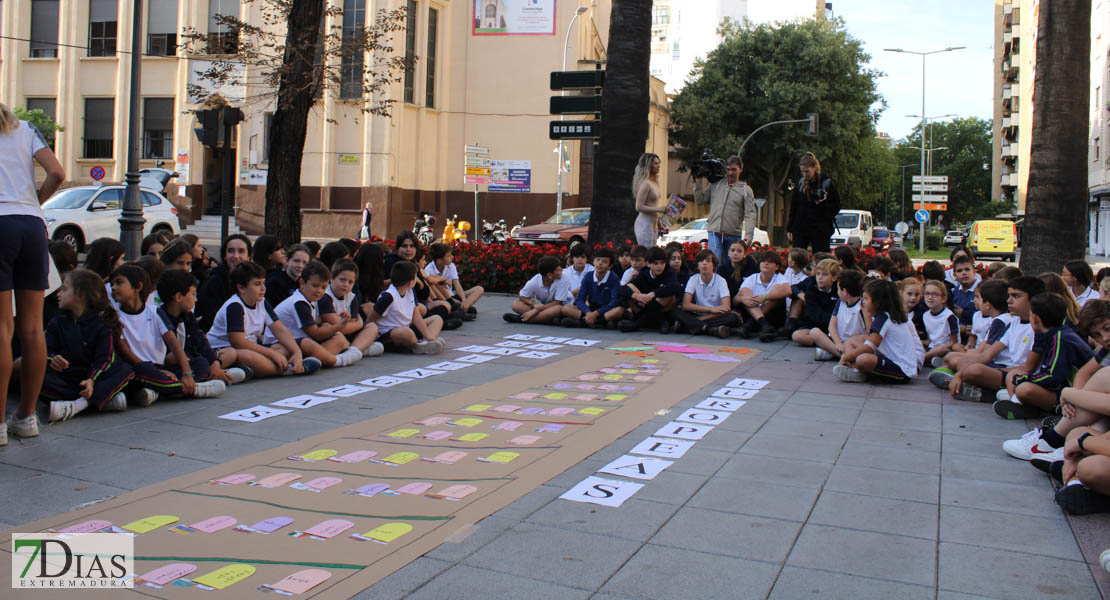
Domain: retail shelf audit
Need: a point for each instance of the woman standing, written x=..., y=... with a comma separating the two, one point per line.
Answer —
x=645, y=184
x=813, y=208
x=24, y=266
x=364, y=226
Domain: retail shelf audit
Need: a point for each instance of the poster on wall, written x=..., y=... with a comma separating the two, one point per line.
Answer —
x=510, y=176
x=514, y=17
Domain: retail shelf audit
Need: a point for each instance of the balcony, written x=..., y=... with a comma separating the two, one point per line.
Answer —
x=1010, y=67
x=1007, y=14
x=1009, y=180
x=1009, y=152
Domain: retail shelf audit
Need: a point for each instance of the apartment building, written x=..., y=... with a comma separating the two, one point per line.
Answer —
x=1098, y=168
x=1015, y=46
x=475, y=81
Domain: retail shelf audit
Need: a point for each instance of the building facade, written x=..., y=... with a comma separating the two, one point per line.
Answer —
x=480, y=77
x=1098, y=167
x=1015, y=48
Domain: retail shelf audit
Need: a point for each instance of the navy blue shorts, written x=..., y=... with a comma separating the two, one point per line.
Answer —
x=24, y=254
x=887, y=371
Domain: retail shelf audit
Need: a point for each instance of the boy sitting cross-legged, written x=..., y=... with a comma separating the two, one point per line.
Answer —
x=992, y=322
x=400, y=325
x=651, y=294
x=577, y=269
x=341, y=301
x=441, y=271
x=637, y=259
x=597, y=303
x=706, y=306
x=815, y=300
x=300, y=313
x=541, y=299
x=761, y=298
x=178, y=290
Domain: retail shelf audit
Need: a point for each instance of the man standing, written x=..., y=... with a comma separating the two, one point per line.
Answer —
x=731, y=203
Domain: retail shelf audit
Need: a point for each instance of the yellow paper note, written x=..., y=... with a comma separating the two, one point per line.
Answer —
x=473, y=437
x=591, y=410
x=502, y=457
x=225, y=576
x=629, y=371
x=611, y=377
x=555, y=396
x=616, y=397
x=478, y=407
x=388, y=532
x=150, y=523
x=318, y=454
x=403, y=433
x=466, y=422
x=649, y=361
x=401, y=458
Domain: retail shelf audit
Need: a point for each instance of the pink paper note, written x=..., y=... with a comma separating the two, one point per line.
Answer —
x=168, y=573
x=450, y=457
x=587, y=386
x=234, y=479
x=330, y=528
x=416, y=488
x=524, y=440
x=278, y=480
x=609, y=387
x=454, y=492
x=353, y=457
x=87, y=527
x=562, y=410
x=436, y=435
x=272, y=524
x=524, y=396
x=508, y=425
x=301, y=581
x=586, y=397
x=506, y=408
x=214, y=524
x=587, y=377
x=323, y=483
x=432, y=421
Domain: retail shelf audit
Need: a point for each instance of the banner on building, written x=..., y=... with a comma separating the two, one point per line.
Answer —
x=514, y=17
x=510, y=176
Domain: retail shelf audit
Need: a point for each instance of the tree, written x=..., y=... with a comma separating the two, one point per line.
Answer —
x=1056, y=198
x=298, y=68
x=763, y=74
x=42, y=121
x=624, y=116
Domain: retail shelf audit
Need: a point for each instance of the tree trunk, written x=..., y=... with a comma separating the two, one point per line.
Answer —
x=290, y=122
x=1056, y=202
x=624, y=117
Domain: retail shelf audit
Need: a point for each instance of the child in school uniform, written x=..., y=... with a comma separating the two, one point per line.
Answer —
x=624, y=261
x=651, y=295
x=962, y=298
x=738, y=266
x=761, y=298
x=706, y=306
x=147, y=340
x=989, y=324
x=283, y=280
x=676, y=262
x=848, y=324
x=542, y=297
x=913, y=298
x=892, y=352
x=300, y=313
x=637, y=260
x=178, y=289
x=400, y=325
x=247, y=323
x=433, y=300
x=815, y=300
x=597, y=303
x=343, y=301
x=941, y=325
x=578, y=268
x=441, y=271
x=84, y=369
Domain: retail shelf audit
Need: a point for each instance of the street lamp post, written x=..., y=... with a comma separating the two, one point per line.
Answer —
x=921, y=242
x=562, y=147
x=131, y=217
x=932, y=121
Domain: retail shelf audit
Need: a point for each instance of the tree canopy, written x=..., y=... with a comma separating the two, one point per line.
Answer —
x=764, y=73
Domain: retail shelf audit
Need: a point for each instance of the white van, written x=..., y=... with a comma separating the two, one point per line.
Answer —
x=852, y=227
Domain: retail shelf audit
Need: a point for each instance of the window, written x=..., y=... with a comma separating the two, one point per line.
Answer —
x=430, y=60
x=46, y=105
x=410, y=52
x=44, y=28
x=221, y=38
x=675, y=53
x=1097, y=147
x=99, y=127
x=661, y=15
x=157, y=127
x=150, y=200
x=350, y=67
x=102, y=27
x=161, y=37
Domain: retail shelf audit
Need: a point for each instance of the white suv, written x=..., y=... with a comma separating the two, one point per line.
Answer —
x=79, y=215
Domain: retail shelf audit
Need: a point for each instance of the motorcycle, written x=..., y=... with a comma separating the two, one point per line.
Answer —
x=487, y=232
x=494, y=233
x=423, y=227
x=523, y=222
x=455, y=230
x=501, y=232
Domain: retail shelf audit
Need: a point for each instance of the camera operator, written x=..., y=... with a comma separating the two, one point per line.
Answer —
x=731, y=203
x=814, y=207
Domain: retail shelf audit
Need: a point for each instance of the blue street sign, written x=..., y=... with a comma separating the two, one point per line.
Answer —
x=921, y=215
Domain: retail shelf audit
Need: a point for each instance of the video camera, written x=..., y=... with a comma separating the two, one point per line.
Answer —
x=708, y=167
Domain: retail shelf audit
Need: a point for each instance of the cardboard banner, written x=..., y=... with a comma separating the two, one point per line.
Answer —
x=330, y=515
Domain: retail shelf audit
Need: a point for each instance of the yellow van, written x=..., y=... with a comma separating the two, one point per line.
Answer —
x=993, y=238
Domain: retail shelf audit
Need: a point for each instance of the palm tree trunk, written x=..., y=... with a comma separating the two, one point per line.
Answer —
x=624, y=117
x=1056, y=201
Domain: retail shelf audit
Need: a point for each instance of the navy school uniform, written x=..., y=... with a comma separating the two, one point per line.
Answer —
x=89, y=346
x=682, y=275
x=600, y=296
x=664, y=286
x=1062, y=353
x=819, y=304
x=279, y=286
x=193, y=341
x=748, y=266
x=211, y=296
x=965, y=300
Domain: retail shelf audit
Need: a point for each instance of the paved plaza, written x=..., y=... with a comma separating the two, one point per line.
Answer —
x=814, y=488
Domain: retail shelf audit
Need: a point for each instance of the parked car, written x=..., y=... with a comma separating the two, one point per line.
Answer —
x=79, y=215
x=954, y=238
x=695, y=231
x=852, y=228
x=570, y=226
x=882, y=239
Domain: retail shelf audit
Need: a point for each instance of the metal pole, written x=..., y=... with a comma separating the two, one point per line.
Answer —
x=740, y=152
x=227, y=181
x=559, y=159
x=131, y=217
x=474, y=226
x=921, y=242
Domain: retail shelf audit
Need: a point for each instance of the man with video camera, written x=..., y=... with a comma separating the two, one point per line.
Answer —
x=731, y=201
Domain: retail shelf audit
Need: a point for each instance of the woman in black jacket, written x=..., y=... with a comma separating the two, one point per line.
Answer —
x=813, y=208
x=217, y=289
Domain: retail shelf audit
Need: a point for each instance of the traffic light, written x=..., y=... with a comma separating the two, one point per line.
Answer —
x=811, y=127
x=586, y=102
x=208, y=131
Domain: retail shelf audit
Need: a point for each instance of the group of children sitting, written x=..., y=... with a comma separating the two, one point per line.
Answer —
x=174, y=324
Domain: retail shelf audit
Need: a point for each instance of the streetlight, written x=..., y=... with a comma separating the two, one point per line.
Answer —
x=932, y=121
x=561, y=150
x=921, y=243
x=131, y=217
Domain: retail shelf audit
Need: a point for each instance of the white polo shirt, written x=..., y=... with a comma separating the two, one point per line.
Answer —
x=849, y=319
x=900, y=343
x=143, y=332
x=235, y=316
x=395, y=310
x=707, y=294
x=756, y=285
x=296, y=313
x=574, y=278
x=1087, y=295
x=1018, y=340
x=534, y=289
x=450, y=273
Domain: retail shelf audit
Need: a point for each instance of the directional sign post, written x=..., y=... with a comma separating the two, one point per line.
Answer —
x=921, y=216
x=930, y=179
x=476, y=166
x=759, y=202
x=930, y=187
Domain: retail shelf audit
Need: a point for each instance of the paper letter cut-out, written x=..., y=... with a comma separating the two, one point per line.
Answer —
x=636, y=467
x=662, y=447
x=606, y=492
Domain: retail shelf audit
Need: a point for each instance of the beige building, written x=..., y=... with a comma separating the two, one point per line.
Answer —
x=469, y=86
x=1015, y=46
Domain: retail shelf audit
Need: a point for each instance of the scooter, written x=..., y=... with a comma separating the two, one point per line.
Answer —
x=423, y=227
x=455, y=230
x=523, y=222
x=488, y=230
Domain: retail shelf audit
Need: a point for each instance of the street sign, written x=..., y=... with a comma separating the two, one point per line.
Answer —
x=931, y=206
x=476, y=180
x=477, y=161
x=921, y=216
x=930, y=179
x=479, y=171
x=561, y=130
x=97, y=173
x=759, y=202
x=901, y=228
x=930, y=187
x=930, y=198
x=577, y=80
x=575, y=105
x=476, y=149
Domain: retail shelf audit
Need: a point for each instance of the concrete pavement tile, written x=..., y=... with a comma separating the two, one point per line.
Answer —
x=904, y=407
x=948, y=595
x=724, y=440
x=285, y=428
x=38, y=494
x=700, y=461
x=183, y=440
x=887, y=484
x=786, y=426
x=798, y=473
x=913, y=392
x=577, y=473
x=1016, y=574
x=796, y=582
x=405, y=580
x=1046, y=536
x=731, y=534
x=825, y=414
x=660, y=572
x=751, y=497
x=740, y=421
x=670, y=487
x=758, y=406
x=1036, y=500
x=463, y=581
x=994, y=426
x=469, y=538
x=826, y=399
x=1092, y=533
x=904, y=559
x=974, y=445
x=766, y=444
x=857, y=454
x=1004, y=469
x=635, y=520
x=885, y=419
x=873, y=513
x=554, y=555
x=897, y=438
x=786, y=385
x=1102, y=579
x=530, y=502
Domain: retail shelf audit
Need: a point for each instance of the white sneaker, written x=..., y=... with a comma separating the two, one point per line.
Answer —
x=63, y=410
x=374, y=349
x=145, y=397
x=427, y=347
x=115, y=403
x=1002, y=394
x=937, y=362
x=822, y=354
x=3, y=436
x=209, y=389
x=1031, y=446
x=237, y=375
x=25, y=427
x=846, y=373
x=350, y=356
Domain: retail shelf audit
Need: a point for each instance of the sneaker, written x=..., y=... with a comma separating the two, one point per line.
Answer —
x=1008, y=409
x=206, y=389
x=628, y=326
x=3, y=436
x=572, y=323
x=846, y=373
x=1043, y=464
x=465, y=316
x=1002, y=394
x=747, y=330
x=1031, y=446
x=722, y=331
x=311, y=365
x=374, y=349
x=237, y=375
x=115, y=403
x=610, y=324
x=472, y=311
x=452, y=324
x=1077, y=499
x=1050, y=421
x=143, y=397
x=1104, y=559
x=767, y=332
x=427, y=347
x=937, y=362
x=970, y=393
x=821, y=354
x=666, y=328
x=352, y=355
x=511, y=317
x=62, y=410
x=941, y=377
x=24, y=428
